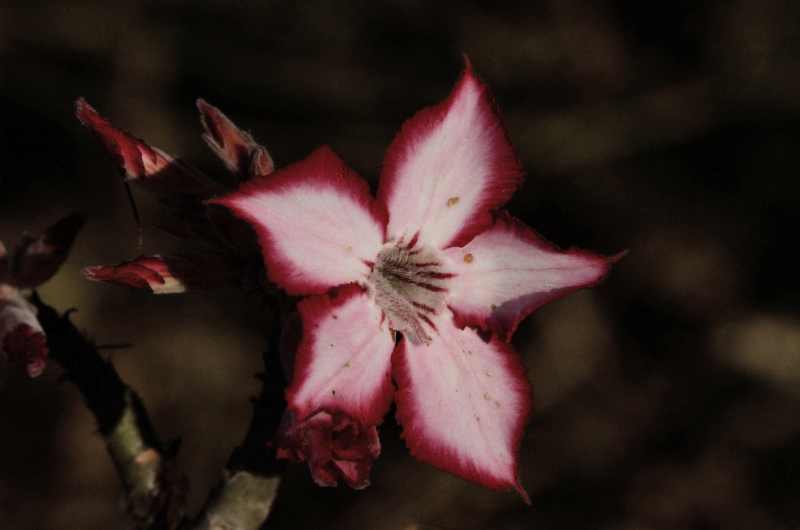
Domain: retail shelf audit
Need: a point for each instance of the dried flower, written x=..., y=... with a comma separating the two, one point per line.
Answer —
x=34, y=260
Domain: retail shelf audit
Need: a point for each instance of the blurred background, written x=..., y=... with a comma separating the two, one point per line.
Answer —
x=666, y=398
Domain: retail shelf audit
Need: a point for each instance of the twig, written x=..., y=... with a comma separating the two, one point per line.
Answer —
x=155, y=490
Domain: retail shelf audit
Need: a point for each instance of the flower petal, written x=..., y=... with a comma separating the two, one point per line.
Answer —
x=144, y=272
x=316, y=222
x=37, y=258
x=22, y=339
x=343, y=362
x=447, y=168
x=165, y=274
x=508, y=271
x=142, y=163
x=236, y=148
x=463, y=404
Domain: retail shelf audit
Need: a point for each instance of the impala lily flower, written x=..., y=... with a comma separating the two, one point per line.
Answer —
x=33, y=261
x=430, y=260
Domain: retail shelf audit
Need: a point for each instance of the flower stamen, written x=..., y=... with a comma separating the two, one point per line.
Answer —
x=409, y=284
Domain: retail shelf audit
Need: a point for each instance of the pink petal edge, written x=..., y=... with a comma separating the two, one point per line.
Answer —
x=508, y=271
x=449, y=385
x=457, y=154
x=343, y=360
x=317, y=224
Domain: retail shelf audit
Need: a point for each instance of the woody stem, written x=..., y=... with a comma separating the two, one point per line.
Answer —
x=246, y=493
x=154, y=490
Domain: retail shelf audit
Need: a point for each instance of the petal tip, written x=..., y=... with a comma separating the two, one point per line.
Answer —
x=85, y=113
x=202, y=105
x=468, y=69
x=93, y=273
x=520, y=489
x=616, y=258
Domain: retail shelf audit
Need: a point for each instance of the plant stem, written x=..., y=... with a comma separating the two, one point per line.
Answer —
x=247, y=491
x=155, y=491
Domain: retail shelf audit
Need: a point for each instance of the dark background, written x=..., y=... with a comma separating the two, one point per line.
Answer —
x=666, y=398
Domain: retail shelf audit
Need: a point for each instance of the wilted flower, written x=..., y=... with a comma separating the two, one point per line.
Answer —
x=430, y=259
x=182, y=189
x=140, y=162
x=33, y=261
x=335, y=447
x=241, y=154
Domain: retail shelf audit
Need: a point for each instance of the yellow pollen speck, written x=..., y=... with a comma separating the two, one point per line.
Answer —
x=468, y=258
x=452, y=201
x=348, y=248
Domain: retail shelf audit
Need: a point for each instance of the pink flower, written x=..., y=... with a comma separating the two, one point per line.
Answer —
x=35, y=260
x=431, y=260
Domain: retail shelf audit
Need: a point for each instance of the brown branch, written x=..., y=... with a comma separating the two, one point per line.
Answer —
x=155, y=491
x=247, y=491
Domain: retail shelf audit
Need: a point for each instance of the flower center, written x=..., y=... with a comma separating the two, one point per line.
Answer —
x=409, y=285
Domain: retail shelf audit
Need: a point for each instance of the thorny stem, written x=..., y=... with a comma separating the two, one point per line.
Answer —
x=155, y=491
x=247, y=491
